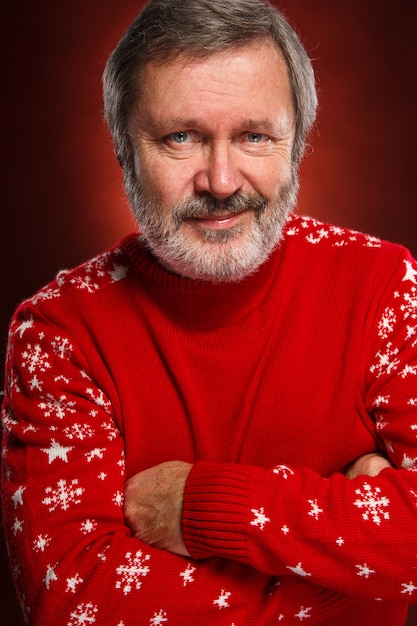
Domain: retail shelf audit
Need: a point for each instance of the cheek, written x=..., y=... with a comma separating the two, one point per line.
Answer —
x=168, y=183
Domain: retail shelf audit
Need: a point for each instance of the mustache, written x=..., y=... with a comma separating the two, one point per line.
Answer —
x=205, y=206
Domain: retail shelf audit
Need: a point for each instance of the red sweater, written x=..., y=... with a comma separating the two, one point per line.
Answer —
x=270, y=387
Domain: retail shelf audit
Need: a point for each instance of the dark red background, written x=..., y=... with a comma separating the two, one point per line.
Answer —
x=62, y=199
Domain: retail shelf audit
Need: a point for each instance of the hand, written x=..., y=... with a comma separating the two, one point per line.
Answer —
x=368, y=465
x=153, y=505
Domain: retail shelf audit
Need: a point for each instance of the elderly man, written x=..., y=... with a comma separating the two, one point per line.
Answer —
x=196, y=421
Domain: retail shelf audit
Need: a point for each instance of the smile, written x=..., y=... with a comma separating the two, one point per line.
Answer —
x=219, y=222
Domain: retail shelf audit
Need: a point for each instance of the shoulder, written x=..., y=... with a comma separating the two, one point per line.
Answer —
x=90, y=277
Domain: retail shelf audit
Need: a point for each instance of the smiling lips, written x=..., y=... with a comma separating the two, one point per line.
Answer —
x=219, y=222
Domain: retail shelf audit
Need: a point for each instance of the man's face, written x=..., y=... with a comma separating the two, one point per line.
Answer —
x=213, y=141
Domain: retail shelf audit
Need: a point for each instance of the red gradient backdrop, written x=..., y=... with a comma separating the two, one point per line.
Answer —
x=62, y=199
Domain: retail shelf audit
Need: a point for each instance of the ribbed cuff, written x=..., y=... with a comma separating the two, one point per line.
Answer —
x=215, y=510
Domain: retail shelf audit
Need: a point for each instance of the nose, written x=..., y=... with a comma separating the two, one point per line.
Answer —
x=219, y=174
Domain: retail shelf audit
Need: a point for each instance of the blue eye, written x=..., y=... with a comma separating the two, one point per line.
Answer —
x=180, y=137
x=255, y=137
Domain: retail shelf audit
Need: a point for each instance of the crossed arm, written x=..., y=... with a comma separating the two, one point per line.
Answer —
x=153, y=500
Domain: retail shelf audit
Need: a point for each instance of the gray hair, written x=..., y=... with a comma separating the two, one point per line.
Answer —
x=166, y=30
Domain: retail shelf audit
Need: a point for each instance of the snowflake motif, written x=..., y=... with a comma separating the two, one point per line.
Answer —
x=41, y=542
x=50, y=576
x=112, y=432
x=24, y=326
x=386, y=363
x=340, y=542
x=45, y=294
x=303, y=613
x=381, y=401
x=373, y=503
x=96, y=453
x=88, y=526
x=380, y=422
x=410, y=272
x=63, y=496
x=299, y=570
x=17, y=497
x=118, y=272
x=364, y=571
x=99, y=399
x=72, y=583
x=62, y=347
x=56, y=407
x=222, y=600
x=34, y=359
x=409, y=371
x=315, y=510
x=284, y=471
x=408, y=463
x=131, y=572
x=79, y=431
x=285, y=530
x=85, y=282
x=409, y=309
x=409, y=588
x=260, y=518
x=387, y=323
x=118, y=499
x=158, y=618
x=187, y=574
x=318, y=236
x=84, y=614
x=17, y=526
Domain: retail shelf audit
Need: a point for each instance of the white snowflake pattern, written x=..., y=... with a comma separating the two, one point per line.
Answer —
x=73, y=582
x=222, y=600
x=409, y=308
x=408, y=370
x=410, y=272
x=409, y=588
x=158, y=618
x=79, y=431
x=50, y=576
x=97, y=396
x=304, y=613
x=85, y=613
x=35, y=359
x=57, y=407
x=118, y=499
x=132, y=571
x=111, y=430
x=85, y=282
x=63, y=495
x=17, y=497
x=386, y=363
x=364, y=571
x=24, y=326
x=96, y=453
x=88, y=526
x=260, y=518
x=62, y=347
x=315, y=510
x=373, y=503
x=17, y=526
x=187, y=574
x=387, y=323
x=299, y=570
x=408, y=463
x=41, y=542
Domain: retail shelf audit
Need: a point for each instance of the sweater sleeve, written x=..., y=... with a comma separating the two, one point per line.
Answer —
x=72, y=556
x=357, y=537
